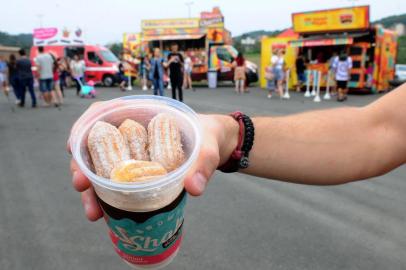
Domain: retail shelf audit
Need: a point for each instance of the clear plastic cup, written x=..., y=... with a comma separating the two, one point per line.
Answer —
x=145, y=219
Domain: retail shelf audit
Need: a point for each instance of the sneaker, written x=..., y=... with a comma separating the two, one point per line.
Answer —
x=17, y=101
x=269, y=96
x=145, y=88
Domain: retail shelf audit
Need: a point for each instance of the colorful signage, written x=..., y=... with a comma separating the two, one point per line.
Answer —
x=169, y=23
x=131, y=42
x=321, y=42
x=55, y=36
x=343, y=19
x=212, y=19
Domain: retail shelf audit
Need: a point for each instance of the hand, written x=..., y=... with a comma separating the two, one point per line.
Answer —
x=220, y=135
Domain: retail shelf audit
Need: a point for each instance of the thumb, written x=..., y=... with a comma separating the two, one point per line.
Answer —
x=199, y=176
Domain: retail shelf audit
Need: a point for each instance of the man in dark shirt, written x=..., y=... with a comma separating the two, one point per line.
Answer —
x=300, y=71
x=175, y=63
x=25, y=79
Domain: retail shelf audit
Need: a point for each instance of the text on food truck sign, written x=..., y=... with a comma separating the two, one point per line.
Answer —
x=343, y=19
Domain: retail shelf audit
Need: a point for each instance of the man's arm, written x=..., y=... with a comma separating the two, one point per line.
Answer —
x=332, y=146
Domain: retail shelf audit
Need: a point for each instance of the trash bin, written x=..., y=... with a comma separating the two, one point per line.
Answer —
x=212, y=78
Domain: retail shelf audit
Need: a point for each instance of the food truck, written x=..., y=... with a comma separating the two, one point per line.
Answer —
x=321, y=35
x=205, y=40
x=101, y=64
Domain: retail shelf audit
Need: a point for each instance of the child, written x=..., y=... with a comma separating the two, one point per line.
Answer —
x=270, y=80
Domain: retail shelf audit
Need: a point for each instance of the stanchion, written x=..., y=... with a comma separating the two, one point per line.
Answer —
x=129, y=87
x=308, y=75
x=327, y=95
x=317, y=98
x=313, y=92
x=286, y=95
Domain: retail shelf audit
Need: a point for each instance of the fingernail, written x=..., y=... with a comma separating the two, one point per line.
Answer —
x=200, y=181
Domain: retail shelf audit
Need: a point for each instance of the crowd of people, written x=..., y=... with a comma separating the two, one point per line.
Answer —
x=339, y=65
x=159, y=69
x=50, y=74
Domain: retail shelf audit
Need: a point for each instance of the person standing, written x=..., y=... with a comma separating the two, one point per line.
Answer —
x=278, y=64
x=156, y=72
x=300, y=72
x=143, y=73
x=57, y=93
x=187, y=82
x=63, y=74
x=342, y=66
x=77, y=67
x=45, y=64
x=25, y=79
x=13, y=76
x=175, y=63
x=239, y=73
x=270, y=80
x=3, y=73
x=333, y=83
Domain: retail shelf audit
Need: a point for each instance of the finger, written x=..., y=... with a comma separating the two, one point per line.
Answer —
x=79, y=180
x=92, y=208
x=198, y=178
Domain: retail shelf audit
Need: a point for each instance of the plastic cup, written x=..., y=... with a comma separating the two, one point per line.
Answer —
x=145, y=219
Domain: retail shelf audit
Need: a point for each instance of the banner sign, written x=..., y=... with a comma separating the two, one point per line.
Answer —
x=343, y=19
x=169, y=23
x=55, y=36
x=212, y=19
x=321, y=42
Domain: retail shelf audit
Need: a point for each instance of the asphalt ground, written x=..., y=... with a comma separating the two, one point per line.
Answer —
x=241, y=222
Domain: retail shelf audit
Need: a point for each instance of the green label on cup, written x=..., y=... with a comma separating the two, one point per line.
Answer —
x=146, y=238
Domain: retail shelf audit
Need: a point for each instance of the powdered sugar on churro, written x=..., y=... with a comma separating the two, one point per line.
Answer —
x=107, y=148
x=136, y=138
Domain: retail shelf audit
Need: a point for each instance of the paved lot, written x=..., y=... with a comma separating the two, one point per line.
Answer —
x=241, y=222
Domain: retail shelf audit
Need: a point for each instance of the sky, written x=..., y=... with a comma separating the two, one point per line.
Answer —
x=104, y=21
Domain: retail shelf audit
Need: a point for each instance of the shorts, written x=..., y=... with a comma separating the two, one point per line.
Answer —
x=122, y=78
x=342, y=84
x=45, y=85
x=188, y=71
x=279, y=74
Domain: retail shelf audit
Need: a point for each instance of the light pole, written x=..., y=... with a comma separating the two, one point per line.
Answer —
x=189, y=6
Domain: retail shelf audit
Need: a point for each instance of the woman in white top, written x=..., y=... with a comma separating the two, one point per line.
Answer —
x=342, y=66
x=278, y=65
x=188, y=66
x=77, y=67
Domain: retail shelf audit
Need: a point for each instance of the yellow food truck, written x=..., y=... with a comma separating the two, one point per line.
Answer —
x=321, y=35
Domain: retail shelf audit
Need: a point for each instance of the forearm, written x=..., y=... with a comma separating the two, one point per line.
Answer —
x=324, y=147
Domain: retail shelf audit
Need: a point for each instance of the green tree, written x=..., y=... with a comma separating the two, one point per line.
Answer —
x=116, y=48
x=402, y=50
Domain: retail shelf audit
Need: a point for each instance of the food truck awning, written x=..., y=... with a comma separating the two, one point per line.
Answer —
x=173, y=37
x=326, y=40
